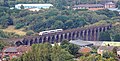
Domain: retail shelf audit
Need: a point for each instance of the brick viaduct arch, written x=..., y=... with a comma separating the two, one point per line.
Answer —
x=87, y=34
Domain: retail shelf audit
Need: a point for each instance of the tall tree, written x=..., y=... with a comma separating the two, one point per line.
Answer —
x=45, y=52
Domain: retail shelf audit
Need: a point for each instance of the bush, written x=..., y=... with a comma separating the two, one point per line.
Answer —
x=19, y=25
x=29, y=33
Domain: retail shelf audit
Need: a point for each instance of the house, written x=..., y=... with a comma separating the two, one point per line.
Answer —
x=9, y=53
x=102, y=49
x=92, y=7
x=110, y=5
x=28, y=6
x=13, y=52
x=85, y=50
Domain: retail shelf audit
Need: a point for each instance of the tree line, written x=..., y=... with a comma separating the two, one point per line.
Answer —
x=64, y=52
x=45, y=52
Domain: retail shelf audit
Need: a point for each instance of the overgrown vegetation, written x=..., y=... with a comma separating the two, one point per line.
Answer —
x=3, y=44
x=45, y=52
x=111, y=35
x=7, y=35
x=65, y=52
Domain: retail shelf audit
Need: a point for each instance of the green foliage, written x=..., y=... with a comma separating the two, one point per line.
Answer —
x=108, y=13
x=56, y=17
x=3, y=44
x=3, y=35
x=29, y=33
x=116, y=37
x=45, y=52
x=47, y=19
x=71, y=48
x=108, y=54
x=111, y=35
x=104, y=36
x=19, y=25
x=59, y=54
x=7, y=35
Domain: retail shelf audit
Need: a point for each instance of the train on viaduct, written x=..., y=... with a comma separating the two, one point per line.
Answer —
x=86, y=33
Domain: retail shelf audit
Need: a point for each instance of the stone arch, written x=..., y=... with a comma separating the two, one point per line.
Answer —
x=73, y=35
x=89, y=35
x=104, y=29
x=53, y=38
x=97, y=33
x=100, y=29
x=44, y=39
x=57, y=38
x=92, y=35
x=93, y=32
x=77, y=34
x=69, y=36
x=85, y=33
x=18, y=43
x=108, y=27
x=35, y=41
x=25, y=41
x=80, y=34
x=31, y=42
x=49, y=39
x=65, y=36
x=61, y=37
x=97, y=30
x=40, y=40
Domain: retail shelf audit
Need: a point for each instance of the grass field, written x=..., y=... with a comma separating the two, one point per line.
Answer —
x=12, y=29
x=105, y=43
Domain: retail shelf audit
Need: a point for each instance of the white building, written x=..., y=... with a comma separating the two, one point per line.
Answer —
x=28, y=6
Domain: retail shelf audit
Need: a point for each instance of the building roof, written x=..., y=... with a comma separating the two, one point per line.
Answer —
x=89, y=5
x=10, y=49
x=108, y=48
x=23, y=48
x=110, y=3
x=81, y=42
x=34, y=4
x=85, y=49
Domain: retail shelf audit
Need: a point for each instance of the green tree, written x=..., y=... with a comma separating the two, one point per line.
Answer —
x=107, y=12
x=29, y=33
x=3, y=44
x=45, y=52
x=116, y=37
x=108, y=54
x=71, y=48
x=59, y=54
x=104, y=36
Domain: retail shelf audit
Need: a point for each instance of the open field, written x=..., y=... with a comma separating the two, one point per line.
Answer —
x=12, y=29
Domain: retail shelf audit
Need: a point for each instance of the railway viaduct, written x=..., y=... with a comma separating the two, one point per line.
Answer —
x=85, y=33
